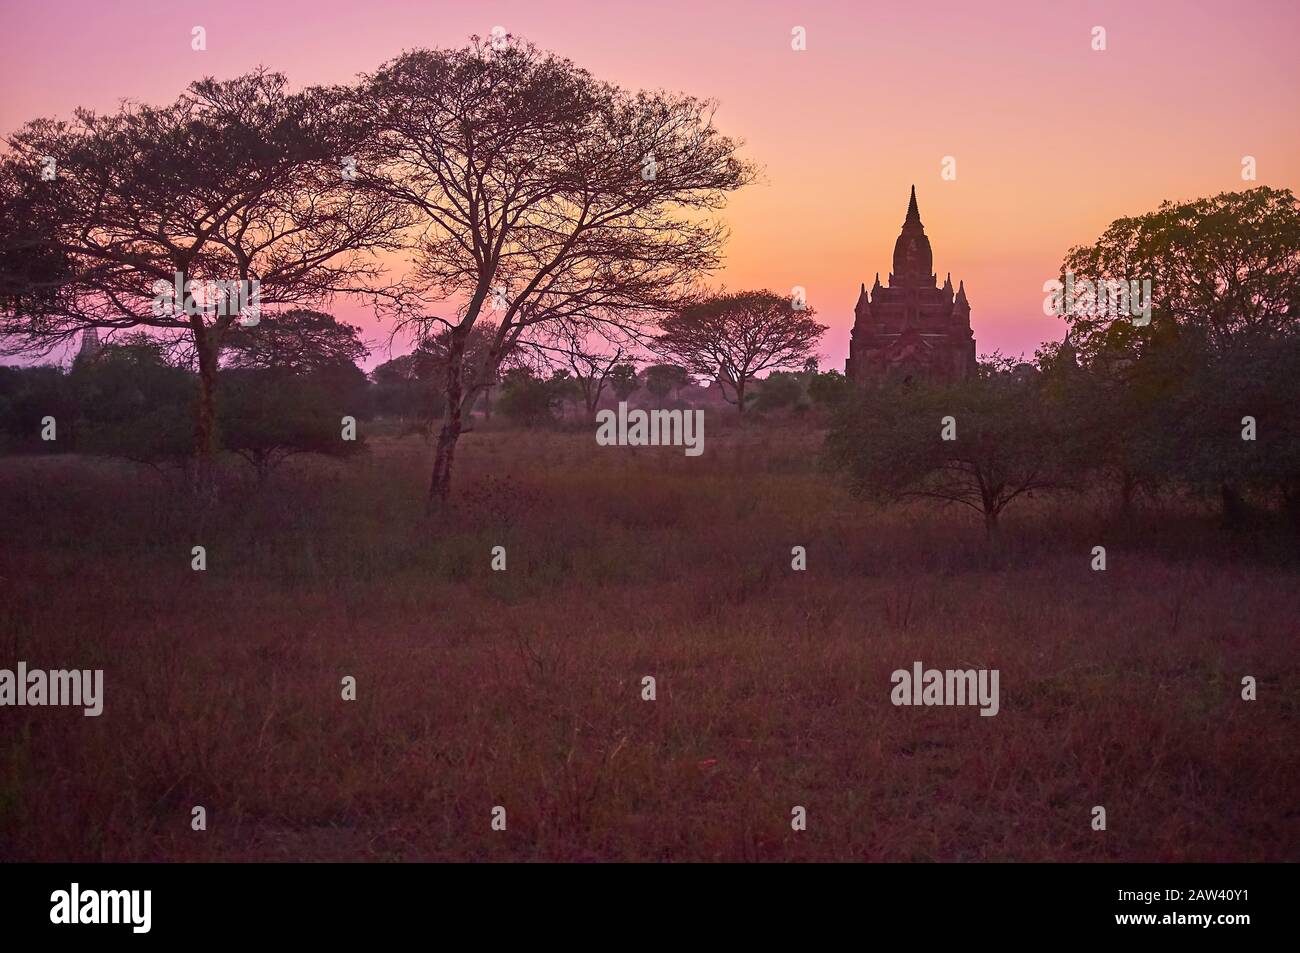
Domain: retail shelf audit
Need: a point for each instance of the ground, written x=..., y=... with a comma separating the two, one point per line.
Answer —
x=523, y=688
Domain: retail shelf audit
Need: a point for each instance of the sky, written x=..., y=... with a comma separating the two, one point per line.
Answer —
x=1052, y=139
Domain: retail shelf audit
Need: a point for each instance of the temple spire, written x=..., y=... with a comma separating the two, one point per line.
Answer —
x=913, y=213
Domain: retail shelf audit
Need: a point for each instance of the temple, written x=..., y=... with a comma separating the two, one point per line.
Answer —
x=912, y=329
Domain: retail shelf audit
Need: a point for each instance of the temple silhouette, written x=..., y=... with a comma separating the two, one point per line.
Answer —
x=912, y=329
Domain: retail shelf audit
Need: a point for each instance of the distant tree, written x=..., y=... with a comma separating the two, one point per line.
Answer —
x=587, y=362
x=1222, y=268
x=1007, y=443
x=828, y=389
x=779, y=390
x=269, y=416
x=664, y=379
x=27, y=396
x=132, y=403
x=731, y=338
x=530, y=400
x=298, y=341
x=623, y=380
x=548, y=196
x=301, y=343
x=404, y=388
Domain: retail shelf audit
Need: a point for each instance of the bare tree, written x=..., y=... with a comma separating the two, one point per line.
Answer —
x=546, y=195
x=571, y=345
x=236, y=185
x=730, y=338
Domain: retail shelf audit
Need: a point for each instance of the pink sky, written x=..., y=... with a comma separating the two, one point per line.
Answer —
x=1052, y=140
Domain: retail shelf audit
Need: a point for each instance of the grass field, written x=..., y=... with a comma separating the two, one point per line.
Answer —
x=522, y=688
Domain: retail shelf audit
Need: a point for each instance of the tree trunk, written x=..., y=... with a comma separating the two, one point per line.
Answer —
x=452, y=425
x=205, y=423
x=991, y=524
x=740, y=398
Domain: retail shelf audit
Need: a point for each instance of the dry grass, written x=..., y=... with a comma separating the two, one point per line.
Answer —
x=522, y=688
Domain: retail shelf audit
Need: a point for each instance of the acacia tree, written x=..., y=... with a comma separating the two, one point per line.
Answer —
x=1225, y=268
x=298, y=341
x=730, y=338
x=546, y=195
x=664, y=379
x=236, y=181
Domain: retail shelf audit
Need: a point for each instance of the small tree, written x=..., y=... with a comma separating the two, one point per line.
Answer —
x=828, y=388
x=132, y=403
x=404, y=388
x=664, y=379
x=588, y=365
x=623, y=380
x=779, y=390
x=27, y=396
x=731, y=338
x=1005, y=443
x=530, y=400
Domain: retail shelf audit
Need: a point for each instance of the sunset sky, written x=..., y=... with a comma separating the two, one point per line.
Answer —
x=1052, y=140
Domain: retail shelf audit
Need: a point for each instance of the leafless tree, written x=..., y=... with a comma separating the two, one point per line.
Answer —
x=589, y=355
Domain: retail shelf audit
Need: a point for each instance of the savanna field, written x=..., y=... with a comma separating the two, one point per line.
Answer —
x=522, y=688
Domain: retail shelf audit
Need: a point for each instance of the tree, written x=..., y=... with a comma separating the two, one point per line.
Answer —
x=622, y=380
x=547, y=195
x=1005, y=443
x=298, y=341
x=1114, y=409
x=132, y=403
x=32, y=267
x=403, y=388
x=189, y=217
x=828, y=388
x=1229, y=428
x=664, y=379
x=731, y=338
x=778, y=390
x=530, y=400
x=270, y=415
x=588, y=366
x=1222, y=268
x=27, y=396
